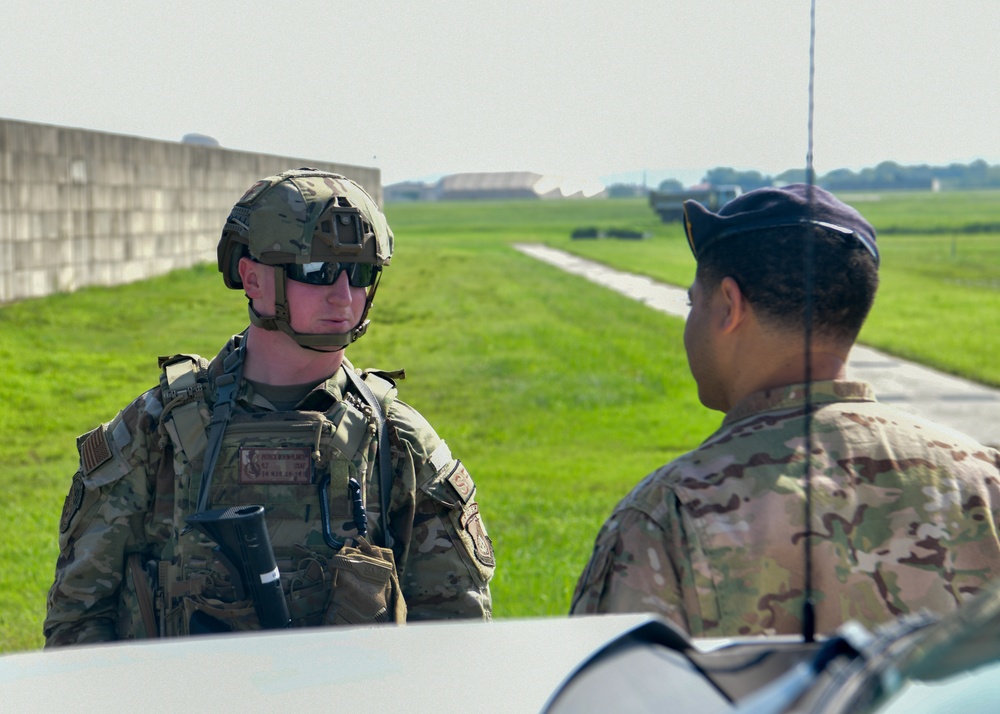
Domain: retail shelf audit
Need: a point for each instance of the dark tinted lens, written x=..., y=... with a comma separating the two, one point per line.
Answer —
x=359, y=275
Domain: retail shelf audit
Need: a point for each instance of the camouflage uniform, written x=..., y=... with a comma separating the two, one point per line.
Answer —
x=122, y=502
x=905, y=517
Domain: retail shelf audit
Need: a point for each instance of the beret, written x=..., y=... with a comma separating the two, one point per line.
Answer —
x=771, y=207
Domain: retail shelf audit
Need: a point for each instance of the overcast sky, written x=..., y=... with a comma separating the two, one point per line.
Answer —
x=586, y=89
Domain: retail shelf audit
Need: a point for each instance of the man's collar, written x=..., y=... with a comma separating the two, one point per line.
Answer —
x=793, y=396
x=327, y=393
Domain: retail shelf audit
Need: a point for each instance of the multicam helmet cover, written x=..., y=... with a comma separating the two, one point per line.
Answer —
x=304, y=216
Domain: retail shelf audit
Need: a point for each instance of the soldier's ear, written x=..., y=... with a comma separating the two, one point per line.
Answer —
x=732, y=304
x=251, y=275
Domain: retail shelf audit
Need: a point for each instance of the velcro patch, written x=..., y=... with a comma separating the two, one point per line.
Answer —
x=94, y=451
x=441, y=456
x=472, y=522
x=275, y=466
x=254, y=191
x=461, y=481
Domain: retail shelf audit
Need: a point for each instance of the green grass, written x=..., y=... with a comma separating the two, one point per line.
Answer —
x=558, y=394
x=940, y=275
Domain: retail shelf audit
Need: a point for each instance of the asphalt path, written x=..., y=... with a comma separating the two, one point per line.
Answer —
x=969, y=407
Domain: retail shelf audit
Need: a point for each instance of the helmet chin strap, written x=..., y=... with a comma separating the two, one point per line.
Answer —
x=281, y=321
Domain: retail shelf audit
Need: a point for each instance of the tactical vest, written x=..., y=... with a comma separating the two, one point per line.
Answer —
x=314, y=472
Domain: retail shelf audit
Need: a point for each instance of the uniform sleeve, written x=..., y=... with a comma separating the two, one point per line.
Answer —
x=102, y=520
x=447, y=558
x=631, y=570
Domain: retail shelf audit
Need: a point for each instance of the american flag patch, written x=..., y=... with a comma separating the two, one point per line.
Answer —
x=94, y=451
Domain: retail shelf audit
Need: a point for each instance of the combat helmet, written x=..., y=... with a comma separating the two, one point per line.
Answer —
x=299, y=219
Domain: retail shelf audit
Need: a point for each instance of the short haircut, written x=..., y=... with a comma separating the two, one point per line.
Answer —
x=769, y=267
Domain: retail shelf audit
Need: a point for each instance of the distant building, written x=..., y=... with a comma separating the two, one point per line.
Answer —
x=507, y=184
x=492, y=186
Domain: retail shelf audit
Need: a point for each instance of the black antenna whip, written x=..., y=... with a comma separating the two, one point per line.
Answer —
x=808, y=608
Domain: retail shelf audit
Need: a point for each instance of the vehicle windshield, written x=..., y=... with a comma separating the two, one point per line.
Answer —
x=955, y=667
x=966, y=692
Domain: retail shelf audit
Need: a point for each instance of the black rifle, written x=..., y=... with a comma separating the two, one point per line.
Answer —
x=244, y=548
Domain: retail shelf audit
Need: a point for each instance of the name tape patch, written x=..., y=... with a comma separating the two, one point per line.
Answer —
x=261, y=466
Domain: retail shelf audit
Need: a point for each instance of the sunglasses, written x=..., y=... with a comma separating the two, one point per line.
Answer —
x=359, y=275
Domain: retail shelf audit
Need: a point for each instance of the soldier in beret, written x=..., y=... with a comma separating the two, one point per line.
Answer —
x=369, y=516
x=904, y=511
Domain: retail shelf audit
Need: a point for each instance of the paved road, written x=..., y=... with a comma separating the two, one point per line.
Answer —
x=959, y=403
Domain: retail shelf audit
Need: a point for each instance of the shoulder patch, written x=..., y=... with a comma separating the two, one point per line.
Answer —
x=94, y=450
x=461, y=481
x=472, y=522
x=74, y=499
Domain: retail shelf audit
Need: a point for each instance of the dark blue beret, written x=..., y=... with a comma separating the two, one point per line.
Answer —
x=792, y=205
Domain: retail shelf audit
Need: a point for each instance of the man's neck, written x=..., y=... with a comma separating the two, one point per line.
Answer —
x=275, y=358
x=789, y=369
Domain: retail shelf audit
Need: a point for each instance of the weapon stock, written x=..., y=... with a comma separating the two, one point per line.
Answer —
x=244, y=547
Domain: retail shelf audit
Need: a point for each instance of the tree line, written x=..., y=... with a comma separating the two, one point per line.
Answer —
x=886, y=176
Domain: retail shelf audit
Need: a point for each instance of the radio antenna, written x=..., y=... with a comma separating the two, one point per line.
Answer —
x=808, y=607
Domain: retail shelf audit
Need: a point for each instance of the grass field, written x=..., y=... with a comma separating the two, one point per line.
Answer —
x=558, y=394
x=940, y=275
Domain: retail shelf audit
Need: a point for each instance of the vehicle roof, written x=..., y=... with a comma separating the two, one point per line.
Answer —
x=422, y=667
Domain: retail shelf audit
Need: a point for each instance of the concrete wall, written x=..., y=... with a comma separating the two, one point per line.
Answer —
x=82, y=208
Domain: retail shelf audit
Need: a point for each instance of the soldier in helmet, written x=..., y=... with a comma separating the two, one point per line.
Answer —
x=370, y=517
x=904, y=511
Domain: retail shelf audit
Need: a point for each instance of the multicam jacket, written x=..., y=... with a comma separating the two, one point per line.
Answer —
x=130, y=496
x=905, y=516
